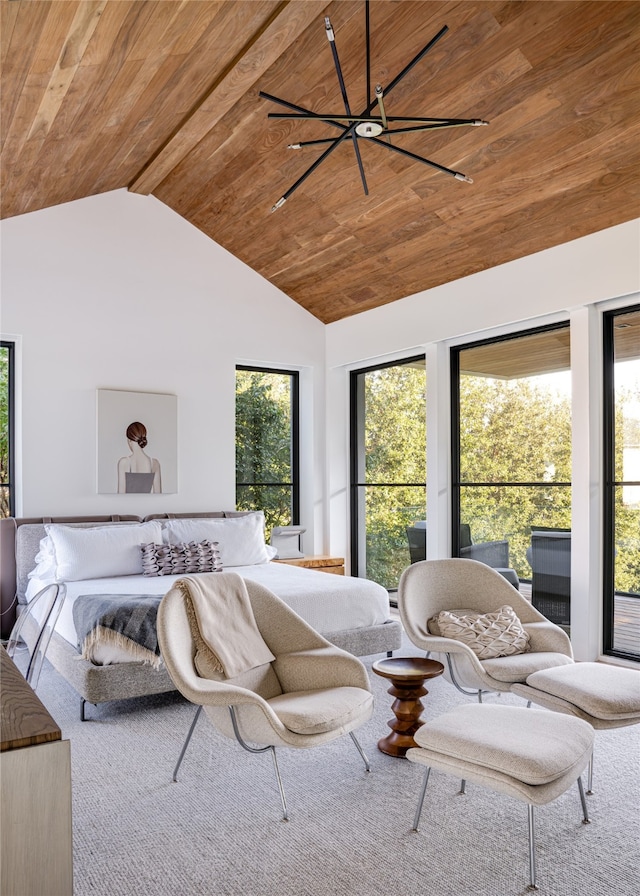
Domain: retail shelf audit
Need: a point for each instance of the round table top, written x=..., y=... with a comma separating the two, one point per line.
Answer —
x=408, y=667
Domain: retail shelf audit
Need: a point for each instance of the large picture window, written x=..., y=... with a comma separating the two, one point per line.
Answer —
x=267, y=452
x=7, y=429
x=511, y=437
x=388, y=467
x=621, y=369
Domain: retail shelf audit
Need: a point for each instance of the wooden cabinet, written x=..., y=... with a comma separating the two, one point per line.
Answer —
x=35, y=779
x=323, y=563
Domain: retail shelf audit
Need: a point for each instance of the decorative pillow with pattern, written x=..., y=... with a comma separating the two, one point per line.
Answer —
x=178, y=559
x=489, y=635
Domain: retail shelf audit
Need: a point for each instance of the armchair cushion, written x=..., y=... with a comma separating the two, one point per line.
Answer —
x=518, y=667
x=316, y=712
x=496, y=634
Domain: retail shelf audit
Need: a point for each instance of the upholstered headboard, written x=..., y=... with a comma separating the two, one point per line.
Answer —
x=20, y=540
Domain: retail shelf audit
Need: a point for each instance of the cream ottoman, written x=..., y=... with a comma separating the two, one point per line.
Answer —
x=532, y=755
x=605, y=696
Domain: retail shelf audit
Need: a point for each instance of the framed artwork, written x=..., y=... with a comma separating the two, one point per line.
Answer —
x=137, y=442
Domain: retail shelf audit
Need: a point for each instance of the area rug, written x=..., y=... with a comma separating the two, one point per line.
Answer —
x=218, y=830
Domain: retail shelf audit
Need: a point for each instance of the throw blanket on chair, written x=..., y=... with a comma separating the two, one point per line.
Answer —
x=127, y=621
x=226, y=622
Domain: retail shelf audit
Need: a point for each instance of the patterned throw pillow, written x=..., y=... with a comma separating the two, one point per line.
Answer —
x=177, y=559
x=488, y=635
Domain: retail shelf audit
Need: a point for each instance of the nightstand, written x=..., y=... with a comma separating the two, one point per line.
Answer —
x=322, y=562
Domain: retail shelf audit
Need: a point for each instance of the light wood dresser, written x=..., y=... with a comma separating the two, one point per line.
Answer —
x=323, y=563
x=36, y=855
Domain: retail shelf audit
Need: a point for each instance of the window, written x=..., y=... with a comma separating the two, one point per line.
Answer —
x=511, y=437
x=388, y=466
x=621, y=561
x=267, y=467
x=7, y=427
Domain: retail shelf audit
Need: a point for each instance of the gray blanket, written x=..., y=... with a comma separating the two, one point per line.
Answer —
x=126, y=621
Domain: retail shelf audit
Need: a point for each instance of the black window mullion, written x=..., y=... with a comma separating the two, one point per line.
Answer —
x=9, y=347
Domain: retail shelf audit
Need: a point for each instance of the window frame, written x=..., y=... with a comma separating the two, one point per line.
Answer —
x=10, y=485
x=609, y=481
x=294, y=484
x=354, y=483
x=454, y=366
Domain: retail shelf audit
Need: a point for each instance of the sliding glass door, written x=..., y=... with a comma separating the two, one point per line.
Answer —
x=388, y=467
x=621, y=369
x=511, y=437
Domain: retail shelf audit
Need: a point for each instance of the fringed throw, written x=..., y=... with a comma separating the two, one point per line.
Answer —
x=126, y=621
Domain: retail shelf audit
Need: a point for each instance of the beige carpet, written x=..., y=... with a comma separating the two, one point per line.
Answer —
x=218, y=830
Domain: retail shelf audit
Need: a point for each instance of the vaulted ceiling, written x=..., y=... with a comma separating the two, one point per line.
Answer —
x=163, y=98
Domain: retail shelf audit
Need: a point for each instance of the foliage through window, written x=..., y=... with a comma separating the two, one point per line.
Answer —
x=388, y=466
x=512, y=442
x=7, y=487
x=267, y=468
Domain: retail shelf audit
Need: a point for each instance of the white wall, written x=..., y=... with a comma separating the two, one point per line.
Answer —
x=564, y=283
x=116, y=291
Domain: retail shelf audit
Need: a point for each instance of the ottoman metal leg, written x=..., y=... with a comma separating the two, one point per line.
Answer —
x=425, y=781
x=590, y=777
x=532, y=848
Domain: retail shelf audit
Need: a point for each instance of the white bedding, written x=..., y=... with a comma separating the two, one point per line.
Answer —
x=329, y=603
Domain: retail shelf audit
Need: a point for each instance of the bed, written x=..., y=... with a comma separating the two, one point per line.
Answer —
x=94, y=564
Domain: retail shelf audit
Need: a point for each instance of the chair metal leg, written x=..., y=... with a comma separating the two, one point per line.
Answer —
x=532, y=849
x=425, y=781
x=250, y=749
x=186, y=743
x=585, y=812
x=459, y=687
x=283, y=799
x=367, y=764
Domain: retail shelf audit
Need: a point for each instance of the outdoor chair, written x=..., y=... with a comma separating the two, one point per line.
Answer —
x=493, y=553
x=550, y=559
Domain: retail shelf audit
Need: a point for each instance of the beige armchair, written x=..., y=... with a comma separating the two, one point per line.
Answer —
x=431, y=586
x=309, y=694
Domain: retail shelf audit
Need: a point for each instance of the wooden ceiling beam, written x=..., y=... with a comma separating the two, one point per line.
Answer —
x=280, y=30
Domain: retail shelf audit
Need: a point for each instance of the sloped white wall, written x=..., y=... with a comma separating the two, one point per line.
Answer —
x=116, y=291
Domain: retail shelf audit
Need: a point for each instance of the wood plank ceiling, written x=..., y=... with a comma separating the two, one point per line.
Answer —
x=162, y=98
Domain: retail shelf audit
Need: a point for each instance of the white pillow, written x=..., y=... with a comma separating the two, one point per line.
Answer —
x=45, y=559
x=99, y=552
x=240, y=539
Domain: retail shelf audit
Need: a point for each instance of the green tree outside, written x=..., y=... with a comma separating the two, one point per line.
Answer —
x=264, y=445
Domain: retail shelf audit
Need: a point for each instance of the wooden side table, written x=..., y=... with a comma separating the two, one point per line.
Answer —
x=322, y=562
x=408, y=675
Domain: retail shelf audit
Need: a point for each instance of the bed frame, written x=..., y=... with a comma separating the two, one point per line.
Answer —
x=119, y=681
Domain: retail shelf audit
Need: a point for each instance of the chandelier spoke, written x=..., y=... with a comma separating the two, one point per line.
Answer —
x=332, y=40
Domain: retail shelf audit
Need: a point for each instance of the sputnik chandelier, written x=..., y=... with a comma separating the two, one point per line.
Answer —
x=366, y=125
